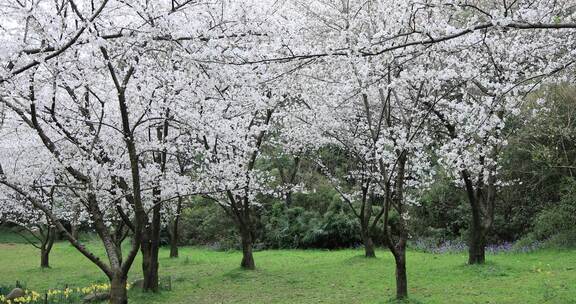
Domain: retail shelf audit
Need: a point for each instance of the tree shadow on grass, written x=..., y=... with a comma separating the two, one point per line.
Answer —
x=239, y=274
x=404, y=301
x=362, y=260
x=486, y=270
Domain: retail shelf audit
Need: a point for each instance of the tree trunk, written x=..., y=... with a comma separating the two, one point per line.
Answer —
x=174, y=233
x=174, y=241
x=477, y=241
x=482, y=205
x=398, y=248
x=288, y=199
x=247, y=257
x=118, y=292
x=74, y=231
x=369, y=247
x=149, y=265
x=46, y=247
x=401, y=277
x=150, y=247
x=44, y=258
x=368, y=242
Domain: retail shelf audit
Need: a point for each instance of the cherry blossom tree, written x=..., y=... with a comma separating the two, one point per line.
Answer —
x=236, y=124
x=382, y=132
x=33, y=226
x=497, y=70
x=107, y=99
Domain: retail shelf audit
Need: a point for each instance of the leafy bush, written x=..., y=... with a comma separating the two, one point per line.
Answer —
x=558, y=218
x=297, y=228
x=443, y=212
x=205, y=223
x=287, y=227
x=317, y=219
x=555, y=225
x=335, y=230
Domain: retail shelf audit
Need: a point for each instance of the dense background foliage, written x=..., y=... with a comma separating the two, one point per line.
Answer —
x=537, y=203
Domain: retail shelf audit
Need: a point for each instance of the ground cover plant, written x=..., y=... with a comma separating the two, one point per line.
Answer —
x=320, y=276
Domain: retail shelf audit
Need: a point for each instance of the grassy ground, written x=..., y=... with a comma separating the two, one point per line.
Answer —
x=314, y=276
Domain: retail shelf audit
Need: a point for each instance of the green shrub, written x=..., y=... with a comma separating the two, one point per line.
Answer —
x=297, y=228
x=287, y=227
x=560, y=217
x=205, y=223
x=555, y=225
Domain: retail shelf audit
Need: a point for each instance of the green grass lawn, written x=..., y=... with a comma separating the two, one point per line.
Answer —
x=315, y=276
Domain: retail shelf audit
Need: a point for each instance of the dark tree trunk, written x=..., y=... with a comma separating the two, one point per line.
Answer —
x=118, y=292
x=45, y=253
x=241, y=210
x=289, y=180
x=398, y=249
x=479, y=222
x=401, y=277
x=174, y=232
x=44, y=258
x=150, y=247
x=174, y=241
x=398, y=245
x=151, y=241
x=46, y=247
x=247, y=257
x=482, y=200
x=74, y=231
x=149, y=265
x=288, y=199
x=477, y=240
x=369, y=247
x=368, y=242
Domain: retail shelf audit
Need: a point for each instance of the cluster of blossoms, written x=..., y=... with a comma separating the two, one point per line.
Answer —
x=94, y=288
